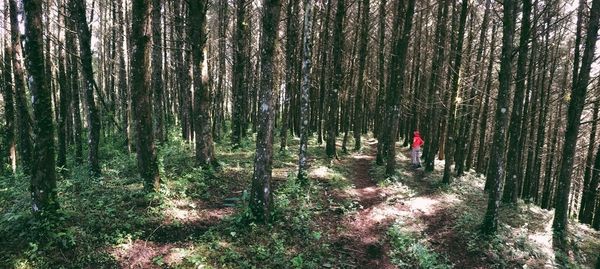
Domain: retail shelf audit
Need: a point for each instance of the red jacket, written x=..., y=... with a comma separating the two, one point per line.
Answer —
x=417, y=141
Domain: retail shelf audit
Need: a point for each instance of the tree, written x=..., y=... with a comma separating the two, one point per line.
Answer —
x=578, y=92
x=511, y=191
x=305, y=89
x=24, y=121
x=157, y=81
x=93, y=119
x=261, y=196
x=10, y=151
x=205, y=152
x=332, y=97
x=43, y=176
x=496, y=174
x=362, y=56
x=431, y=131
x=141, y=95
x=291, y=53
x=238, y=76
x=451, y=121
x=380, y=113
x=396, y=85
x=65, y=102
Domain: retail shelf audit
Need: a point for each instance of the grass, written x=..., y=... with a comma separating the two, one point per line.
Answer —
x=410, y=251
x=200, y=217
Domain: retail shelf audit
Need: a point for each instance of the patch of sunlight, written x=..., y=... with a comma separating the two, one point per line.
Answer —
x=321, y=172
x=543, y=240
x=22, y=264
x=281, y=172
x=380, y=214
x=423, y=204
x=182, y=210
x=402, y=157
x=176, y=255
x=403, y=189
x=178, y=213
x=362, y=157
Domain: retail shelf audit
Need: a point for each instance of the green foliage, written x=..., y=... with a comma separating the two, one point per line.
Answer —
x=409, y=252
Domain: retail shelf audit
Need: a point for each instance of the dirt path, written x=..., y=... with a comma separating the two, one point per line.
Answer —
x=438, y=222
x=363, y=235
x=423, y=210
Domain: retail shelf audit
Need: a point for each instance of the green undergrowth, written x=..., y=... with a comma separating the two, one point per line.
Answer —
x=524, y=237
x=407, y=250
x=99, y=217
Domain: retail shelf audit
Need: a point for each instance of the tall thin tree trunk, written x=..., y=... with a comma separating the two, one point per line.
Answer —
x=305, y=90
x=65, y=101
x=380, y=112
x=93, y=118
x=10, y=144
x=431, y=145
x=157, y=80
x=261, y=196
x=43, y=177
x=338, y=47
x=573, y=122
x=490, y=222
x=451, y=121
x=362, y=56
x=396, y=85
x=141, y=94
x=205, y=152
x=24, y=122
x=291, y=48
x=511, y=190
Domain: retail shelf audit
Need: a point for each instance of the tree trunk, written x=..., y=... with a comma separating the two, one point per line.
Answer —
x=205, y=152
x=65, y=101
x=451, y=135
x=142, y=95
x=362, y=56
x=573, y=122
x=396, y=85
x=431, y=132
x=481, y=156
x=511, y=191
x=239, y=69
x=380, y=107
x=589, y=161
x=490, y=222
x=93, y=118
x=323, y=77
x=43, y=177
x=338, y=47
x=24, y=121
x=157, y=81
x=10, y=144
x=291, y=48
x=590, y=195
x=261, y=196
x=304, y=97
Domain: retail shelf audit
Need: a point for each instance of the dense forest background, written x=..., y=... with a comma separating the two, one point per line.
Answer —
x=229, y=130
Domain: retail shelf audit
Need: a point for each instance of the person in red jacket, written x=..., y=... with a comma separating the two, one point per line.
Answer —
x=416, y=149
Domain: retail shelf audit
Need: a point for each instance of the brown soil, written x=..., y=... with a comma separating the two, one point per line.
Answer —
x=361, y=241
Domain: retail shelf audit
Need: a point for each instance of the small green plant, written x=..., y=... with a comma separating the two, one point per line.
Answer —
x=409, y=252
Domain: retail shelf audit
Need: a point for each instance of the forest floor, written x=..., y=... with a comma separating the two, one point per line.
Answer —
x=349, y=215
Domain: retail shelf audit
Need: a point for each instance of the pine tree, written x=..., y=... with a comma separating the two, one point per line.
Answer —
x=261, y=196
x=141, y=95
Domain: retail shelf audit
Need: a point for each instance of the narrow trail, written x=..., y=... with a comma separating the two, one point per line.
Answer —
x=364, y=232
x=423, y=210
